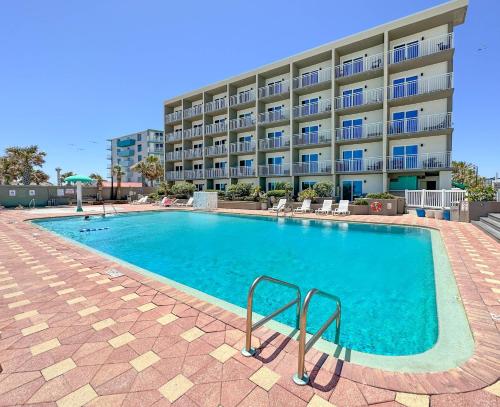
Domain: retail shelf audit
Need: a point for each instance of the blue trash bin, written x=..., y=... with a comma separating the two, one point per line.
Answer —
x=421, y=213
x=446, y=214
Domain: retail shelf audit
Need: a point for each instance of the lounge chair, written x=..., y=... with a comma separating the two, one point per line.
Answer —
x=306, y=207
x=326, y=208
x=165, y=202
x=186, y=204
x=140, y=201
x=279, y=207
x=343, y=208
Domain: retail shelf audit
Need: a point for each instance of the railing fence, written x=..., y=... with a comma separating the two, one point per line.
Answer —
x=433, y=199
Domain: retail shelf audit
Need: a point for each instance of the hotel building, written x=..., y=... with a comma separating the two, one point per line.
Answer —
x=371, y=112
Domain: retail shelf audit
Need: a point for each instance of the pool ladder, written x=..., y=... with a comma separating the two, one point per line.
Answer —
x=300, y=378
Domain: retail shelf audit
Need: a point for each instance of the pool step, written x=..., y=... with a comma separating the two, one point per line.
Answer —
x=490, y=225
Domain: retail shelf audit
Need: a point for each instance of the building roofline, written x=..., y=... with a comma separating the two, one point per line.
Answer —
x=135, y=132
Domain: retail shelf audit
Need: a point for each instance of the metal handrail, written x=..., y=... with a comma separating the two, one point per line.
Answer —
x=248, y=350
x=301, y=378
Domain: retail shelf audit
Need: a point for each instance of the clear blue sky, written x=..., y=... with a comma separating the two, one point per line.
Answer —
x=74, y=73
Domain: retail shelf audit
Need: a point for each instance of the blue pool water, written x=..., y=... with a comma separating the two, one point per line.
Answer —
x=384, y=275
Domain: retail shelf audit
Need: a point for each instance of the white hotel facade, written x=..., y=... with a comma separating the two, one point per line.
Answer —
x=371, y=112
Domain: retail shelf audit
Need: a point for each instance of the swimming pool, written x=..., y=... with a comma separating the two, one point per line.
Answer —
x=384, y=275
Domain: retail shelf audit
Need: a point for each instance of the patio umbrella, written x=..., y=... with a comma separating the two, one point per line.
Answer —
x=79, y=180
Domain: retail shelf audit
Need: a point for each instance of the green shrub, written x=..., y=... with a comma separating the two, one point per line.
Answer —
x=277, y=193
x=182, y=190
x=239, y=190
x=360, y=202
x=381, y=195
x=307, y=194
x=284, y=186
x=323, y=189
x=480, y=193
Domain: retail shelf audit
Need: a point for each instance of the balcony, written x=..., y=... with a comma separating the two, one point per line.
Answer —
x=193, y=111
x=313, y=167
x=358, y=101
x=125, y=153
x=275, y=143
x=242, y=123
x=359, y=133
x=355, y=165
x=215, y=128
x=419, y=162
x=193, y=153
x=434, y=87
x=216, y=105
x=154, y=150
x=360, y=69
x=242, y=99
x=320, y=108
x=275, y=117
x=194, y=174
x=194, y=132
x=216, y=172
x=320, y=79
x=155, y=139
x=434, y=124
x=126, y=163
x=125, y=143
x=175, y=175
x=173, y=137
x=173, y=156
x=272, y=170
x=171, y=118
x=322, y=137
x=214, y=151
x=274, y=91
x=242, y=147
x=429, y=51
x=240, y=172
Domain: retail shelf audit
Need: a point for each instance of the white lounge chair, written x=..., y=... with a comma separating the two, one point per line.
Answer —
x=185, y=204
x=306, y=207
x=279, y=207
x=326, y=208
x=343, y=208
x=140, y=201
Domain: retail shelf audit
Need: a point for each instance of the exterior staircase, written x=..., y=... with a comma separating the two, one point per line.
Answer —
x=490, y=224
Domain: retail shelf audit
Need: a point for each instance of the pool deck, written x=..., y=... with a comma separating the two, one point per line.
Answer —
x=70, y=335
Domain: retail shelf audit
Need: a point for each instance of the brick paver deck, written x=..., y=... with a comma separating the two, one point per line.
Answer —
x=70, y=335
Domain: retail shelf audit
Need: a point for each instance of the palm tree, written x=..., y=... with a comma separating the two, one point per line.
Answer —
x=9, y=171
x=66, y=174
x=150, y=169
x=464, y=173
x=99, y=181
x=142, y=168
x=27, y=158
x=117, y=170
x=39, y=177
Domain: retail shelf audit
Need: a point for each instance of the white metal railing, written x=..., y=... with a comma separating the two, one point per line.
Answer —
x=309, y=109
x=175, y=136
x=366, y=97
x=313, y=78
x=173, y=155
x=221, y=149
x=155, y=150
x=498, y=195
x=193, y=153
x=215, y=105
x=216, y=172
x=155, y=139
x=242, y=147
x=173, y=117
x=243, y=97
x=368, y=164
x=274, y=142
x=277, y=88
x=274, y=116
x=193, y=132
x=242, y=171
x=438, y=121
x=312, y=167
x=420, y=86
x=175, y=175
x=365, y=131
x=241, y=123
x=274, y=169
x=312, y=138
x=427, y=161
x=193, y=111
x=194, y=174
x=444, y=198
x=419, y=49
x=354, y=67
x=215, y=128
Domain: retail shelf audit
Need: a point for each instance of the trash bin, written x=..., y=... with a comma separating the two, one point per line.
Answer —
x=420, y=212
x=446, y=214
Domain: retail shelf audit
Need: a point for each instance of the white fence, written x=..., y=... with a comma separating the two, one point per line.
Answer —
x=423, y=198
x=498, y=195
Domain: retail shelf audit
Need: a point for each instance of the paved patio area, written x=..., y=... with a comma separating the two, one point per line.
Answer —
x=70, y=335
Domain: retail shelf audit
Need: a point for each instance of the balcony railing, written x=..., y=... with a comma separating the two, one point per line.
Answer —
x=366, y=97
x=312, y=138
x=278, y=88
x=215, y=105
x=215, y=128
x=193, y=111
x=312, y=78
x=125, y=143
x=427, y=123
x=175, y=136
x=154, y=150
x=194, y=174
x=173, y=117
x=310, y=109
x=274, y=143
x=242, y=171
x=313, y=167
x=193, y=153
x=125, y=153
x=241, y=98
x=365, y=131
x=193, y=132
x=426, y=161
x=175, y=175
x=369, y=63
x=216, y=150
x=155, y=139
x=274, y=116
x=419, y=49
x=216, y=172
x=242, y=147
x=173, y=156
x=270, y=170
x=369, y=164
x=241, y=123
x=421, y=86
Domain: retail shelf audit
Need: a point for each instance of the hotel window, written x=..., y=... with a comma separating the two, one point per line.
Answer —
x=307, y=184
x=404, y=157
x=220, y=121
x=352, y=97
x=199, y=187
x=219, y=142
x=197, y=166
x=245, y=139
x=244, y=95
x=404, y=122
x=309, y=106
x=352, y=190
x=271, y=185
x=405, y=87
x=198, y=145
x=352, y=160
x=139, y=137
x=275, y=160
x=139, y=147
x=309, y=78
x=178, y=168
x=310, y=162
x=246, y=163
x=139, y=157
x=352, y=129
x=276, y=137
x=310, y=134
x=274, y=87
x=220, y=164
x=275, y=113
x=405, y=51
x=220, y=186
x=178, y=148
x=352, y=66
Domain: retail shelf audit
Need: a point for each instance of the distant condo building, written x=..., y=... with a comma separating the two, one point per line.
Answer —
x=128, y=150
x=371, y=112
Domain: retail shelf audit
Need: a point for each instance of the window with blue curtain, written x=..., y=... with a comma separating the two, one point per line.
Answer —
x=352, y=129
x=398, y=122
x=245, y=139
x=412, y=50
x=411, y=118
x=352, y=190
x=310, y=134
x=398, y=54
x=357, y=189
x=311, y=160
